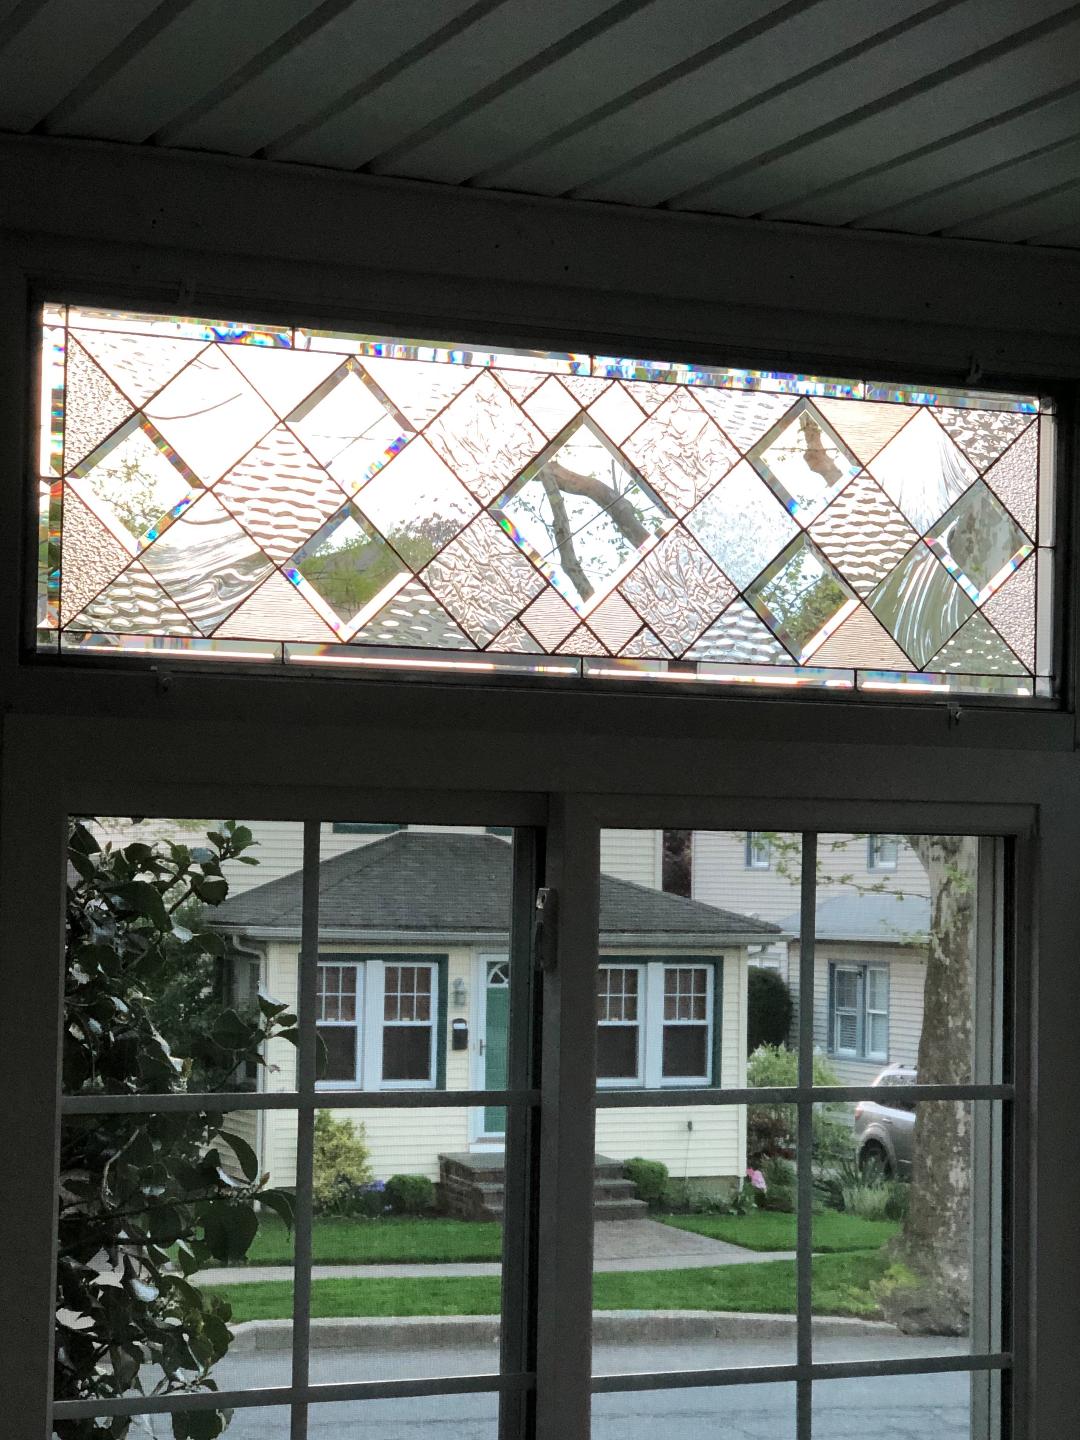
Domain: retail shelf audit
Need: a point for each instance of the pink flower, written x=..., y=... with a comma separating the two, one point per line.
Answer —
x=757, y=1180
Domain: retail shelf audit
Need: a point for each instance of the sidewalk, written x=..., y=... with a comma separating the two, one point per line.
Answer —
x=619, y=1245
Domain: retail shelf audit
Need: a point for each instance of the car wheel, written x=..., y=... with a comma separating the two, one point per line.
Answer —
x=874, y=1162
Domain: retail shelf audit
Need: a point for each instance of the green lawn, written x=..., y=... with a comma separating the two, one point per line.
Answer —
x=841, y=1287
x=388, y=1240
x=834, y=1232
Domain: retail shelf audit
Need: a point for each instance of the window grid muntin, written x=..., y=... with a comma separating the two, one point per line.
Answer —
x=804, y=1095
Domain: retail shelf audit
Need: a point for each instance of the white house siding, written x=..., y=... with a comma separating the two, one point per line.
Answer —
x=716, y=1147
x=631, y=855
x=907, y=977
x=721, y=876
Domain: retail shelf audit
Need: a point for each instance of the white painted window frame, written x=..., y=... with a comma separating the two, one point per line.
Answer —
x=650, y=1023
x=369, y=1025
x=757, y=853
x=876, y=852
x=863, y=1049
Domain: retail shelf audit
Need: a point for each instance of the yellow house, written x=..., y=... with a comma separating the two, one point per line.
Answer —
x=413, y=991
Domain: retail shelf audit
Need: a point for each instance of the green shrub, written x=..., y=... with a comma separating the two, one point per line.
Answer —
x=650, y=1177
x=410, y=1194
x=768, y=1009
x=342, y=1166
x=779, y=1192
x=770, y=1129
x=843, y=1186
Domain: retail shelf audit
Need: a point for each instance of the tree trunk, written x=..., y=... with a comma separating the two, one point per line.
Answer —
x=935, y=1242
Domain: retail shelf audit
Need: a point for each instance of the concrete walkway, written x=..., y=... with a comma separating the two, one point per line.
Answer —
x=619, y=1245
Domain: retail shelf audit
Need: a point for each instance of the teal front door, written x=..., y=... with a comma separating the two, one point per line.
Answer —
x=495, y=1030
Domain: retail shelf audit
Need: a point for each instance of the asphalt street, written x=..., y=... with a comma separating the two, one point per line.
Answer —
x=879, y=1408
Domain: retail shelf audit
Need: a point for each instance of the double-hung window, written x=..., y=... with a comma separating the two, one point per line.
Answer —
x=882, y=852
x=377, y=1023
x=859, y=1011
x=655, y=1023
x=758, y=851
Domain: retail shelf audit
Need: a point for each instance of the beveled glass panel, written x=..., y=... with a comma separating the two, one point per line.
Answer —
x=614, y=518
x=804, y=460
x=802, y=598
x=349, y=567
x=582, y=515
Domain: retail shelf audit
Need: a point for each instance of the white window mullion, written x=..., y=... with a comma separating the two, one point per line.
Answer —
x=371, y=1031
x=652, y=1025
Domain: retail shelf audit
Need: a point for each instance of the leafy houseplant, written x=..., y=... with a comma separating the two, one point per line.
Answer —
x=146, y=1199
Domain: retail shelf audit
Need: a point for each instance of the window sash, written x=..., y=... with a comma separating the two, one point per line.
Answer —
x=757, y=852
x=859, y=1019
x=882, y=852
x=651, y=1020
x=370, y=1020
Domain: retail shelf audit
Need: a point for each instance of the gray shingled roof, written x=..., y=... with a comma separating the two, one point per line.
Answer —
x=422, y=884
x=875, y=917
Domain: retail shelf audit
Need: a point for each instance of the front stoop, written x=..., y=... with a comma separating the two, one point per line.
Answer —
x=473, y=1186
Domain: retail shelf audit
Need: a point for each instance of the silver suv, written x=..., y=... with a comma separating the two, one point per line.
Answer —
x=884, y=1130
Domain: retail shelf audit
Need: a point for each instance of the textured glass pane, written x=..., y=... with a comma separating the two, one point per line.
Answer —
x=569, y=514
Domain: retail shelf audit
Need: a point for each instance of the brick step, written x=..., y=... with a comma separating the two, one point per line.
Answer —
x=473, y=1186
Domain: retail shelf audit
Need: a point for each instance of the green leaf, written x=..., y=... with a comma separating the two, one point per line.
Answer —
x=282, y=1204
x=199, y=1424
x=209, y=888
x=83, y=841
x=83, y=864
x=229, y=1230
x=249, y=1161
x=145, y=900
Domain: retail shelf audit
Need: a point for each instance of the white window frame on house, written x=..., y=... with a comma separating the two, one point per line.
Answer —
x=757, y=851
x=651, y=1021
x=97, y=736
x=370, y=1022
x=861, y=1011
x=882, y=852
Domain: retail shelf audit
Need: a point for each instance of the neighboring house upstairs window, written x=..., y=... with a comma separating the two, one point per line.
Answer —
x=378, y=1023
x=859, y=1011
x=758, y=850
x=882, y=852
x=655, y=1023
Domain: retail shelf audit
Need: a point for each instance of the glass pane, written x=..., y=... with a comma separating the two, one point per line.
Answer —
x=162, y=990
x=694, y=1214
x=617, y=1052
x=465, y=1417
x=887, y=1405
x=337, y=1057
x=765, y=1411
x=406, y=1246
x=907, y=1229
x=162, y=1221
x=257, y=1422
x=686, y=1050
x=693, y=1249
x=406, y=1052
x=909, y=959
x=375, y=500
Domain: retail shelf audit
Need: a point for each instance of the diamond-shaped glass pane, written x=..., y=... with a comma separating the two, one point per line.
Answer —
x=417, y=504
x=979, y=542
x=348, y=428
x=741, y=524
x=132, y=482
x=801, y=598
x=349, y=569
x=582, y=515
x=805, y=461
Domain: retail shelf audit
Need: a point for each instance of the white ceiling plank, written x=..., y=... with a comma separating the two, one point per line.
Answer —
x=597, y=73
x=1055, y=209
x=355, y=44
x=886, y=197
x=687, y=174
x=1020, y=75
x=51, y=54
x=1002, y=183
x=165, y=76
x=734, y=77
x=507, y=37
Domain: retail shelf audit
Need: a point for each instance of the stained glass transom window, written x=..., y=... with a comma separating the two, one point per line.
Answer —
x=296, y=496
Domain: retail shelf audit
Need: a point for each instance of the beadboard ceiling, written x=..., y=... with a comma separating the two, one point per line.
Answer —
x=956, y=118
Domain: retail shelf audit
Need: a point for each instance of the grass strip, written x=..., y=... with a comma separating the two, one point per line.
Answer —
x=841, y=1287
x=834, y=1232
x=388, y=1240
